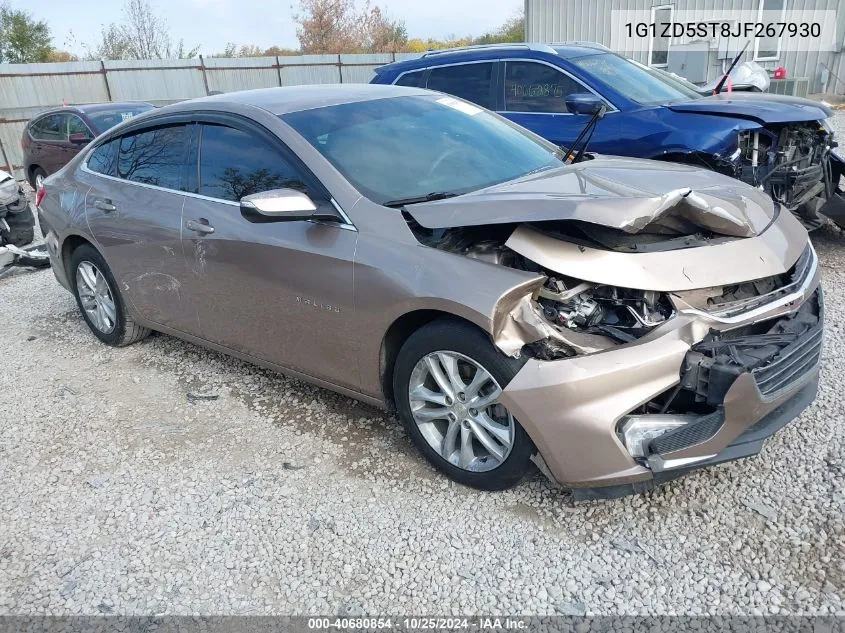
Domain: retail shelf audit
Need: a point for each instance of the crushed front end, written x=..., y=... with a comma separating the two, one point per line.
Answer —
x=664, y=329
x=666, y=389
x=794, y=163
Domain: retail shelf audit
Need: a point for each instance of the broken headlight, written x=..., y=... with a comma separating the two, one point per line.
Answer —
x=623, y=314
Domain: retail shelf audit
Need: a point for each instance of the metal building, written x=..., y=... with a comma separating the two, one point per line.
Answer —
x=700, y=59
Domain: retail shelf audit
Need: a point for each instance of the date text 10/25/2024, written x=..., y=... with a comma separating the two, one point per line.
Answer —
x=417, y=623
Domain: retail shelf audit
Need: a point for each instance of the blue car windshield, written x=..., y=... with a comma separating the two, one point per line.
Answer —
x=409, y=147
x=638, y=83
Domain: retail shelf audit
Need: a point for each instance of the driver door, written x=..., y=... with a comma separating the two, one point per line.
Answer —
x=535, y=98
x=278, y=291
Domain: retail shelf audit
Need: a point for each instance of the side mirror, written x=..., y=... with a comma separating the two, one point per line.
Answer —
x=281, y=205
x=79, y=138
x=584, y=103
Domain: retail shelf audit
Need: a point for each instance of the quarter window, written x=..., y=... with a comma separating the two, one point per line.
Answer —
x=50, y=128
x=532, y=87
x=414, y=80
x=234, y=164
x=154, y=156
x=473, y=82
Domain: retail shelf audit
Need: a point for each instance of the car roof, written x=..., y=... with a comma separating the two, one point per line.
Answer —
x=86, y=108
x=287, y=99
x=109, y=105
x=565, y=50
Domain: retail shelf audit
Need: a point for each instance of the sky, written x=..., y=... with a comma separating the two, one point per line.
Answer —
x=210, y=24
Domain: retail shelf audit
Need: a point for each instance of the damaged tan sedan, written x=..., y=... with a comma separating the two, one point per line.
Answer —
x=617, y=321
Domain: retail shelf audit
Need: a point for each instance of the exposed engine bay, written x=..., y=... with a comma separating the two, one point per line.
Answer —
x=791, y=162
x=568, y=316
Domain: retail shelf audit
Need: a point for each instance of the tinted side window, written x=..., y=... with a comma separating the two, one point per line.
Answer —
x=154, y=157
x=414, y=80
x=532, y=87
x=75, y=125
x=50, y=128
x=234, y=164
x=102, y=159
x=472, y=82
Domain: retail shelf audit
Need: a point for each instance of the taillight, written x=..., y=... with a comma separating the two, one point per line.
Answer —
x=39, y=195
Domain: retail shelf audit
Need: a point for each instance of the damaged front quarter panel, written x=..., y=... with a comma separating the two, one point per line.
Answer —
x=518, y=321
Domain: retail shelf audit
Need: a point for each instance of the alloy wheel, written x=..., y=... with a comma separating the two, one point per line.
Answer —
x=455, y=404
x=95, y=297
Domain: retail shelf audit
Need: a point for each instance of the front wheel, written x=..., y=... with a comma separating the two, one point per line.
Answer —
x=447, y=383
x=99, y=300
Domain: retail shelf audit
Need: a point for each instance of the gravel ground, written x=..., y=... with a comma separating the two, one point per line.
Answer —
x=121, y=495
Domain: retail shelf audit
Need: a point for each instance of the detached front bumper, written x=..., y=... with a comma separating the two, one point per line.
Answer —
x=572, y=408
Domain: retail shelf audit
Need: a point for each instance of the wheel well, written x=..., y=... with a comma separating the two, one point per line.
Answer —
x=30, y=173
x=71, y=244
x=399, y=332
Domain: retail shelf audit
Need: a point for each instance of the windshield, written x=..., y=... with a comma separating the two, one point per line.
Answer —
x=410, y=147
x=107, y=118
x=636, y=82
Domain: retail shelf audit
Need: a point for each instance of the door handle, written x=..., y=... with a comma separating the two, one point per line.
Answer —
x=104, y=204
x=201, y=226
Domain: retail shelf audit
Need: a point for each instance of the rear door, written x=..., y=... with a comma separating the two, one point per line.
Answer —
x=50, y=142
x=134, y=210
x=473, y=81
x=278, y=291
x=534, y=96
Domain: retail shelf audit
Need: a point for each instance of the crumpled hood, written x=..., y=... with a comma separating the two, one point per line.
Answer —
x=763, y=108
x=9, y=189
x=626, y=194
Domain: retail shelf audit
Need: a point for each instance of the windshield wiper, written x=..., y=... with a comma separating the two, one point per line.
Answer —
x=429, y=197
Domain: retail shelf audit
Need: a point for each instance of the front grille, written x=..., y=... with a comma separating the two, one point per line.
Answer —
x=776, y=353
x=753, y=294
x=792, y=362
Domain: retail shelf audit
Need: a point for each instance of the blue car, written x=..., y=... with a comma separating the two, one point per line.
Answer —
x=783, y=144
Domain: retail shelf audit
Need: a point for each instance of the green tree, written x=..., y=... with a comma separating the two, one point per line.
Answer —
x=23, y=39
x=513, y=30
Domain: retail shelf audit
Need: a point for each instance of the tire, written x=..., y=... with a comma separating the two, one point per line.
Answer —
x=21, y=227
x=33, y=176
x=470, y=348
x=39, y=259
x=123, y=330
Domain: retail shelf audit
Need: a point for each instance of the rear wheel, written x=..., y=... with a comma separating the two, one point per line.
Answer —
x=100, y=301
x=447, y=383
x=36, y=178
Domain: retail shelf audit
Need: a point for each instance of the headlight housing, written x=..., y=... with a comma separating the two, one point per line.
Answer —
x=623, y=314
x=827, y=127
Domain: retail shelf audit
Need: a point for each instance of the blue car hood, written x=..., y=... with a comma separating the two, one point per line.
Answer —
x=763, y=108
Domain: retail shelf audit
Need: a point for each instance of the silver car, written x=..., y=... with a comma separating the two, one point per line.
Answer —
x=618, y=322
